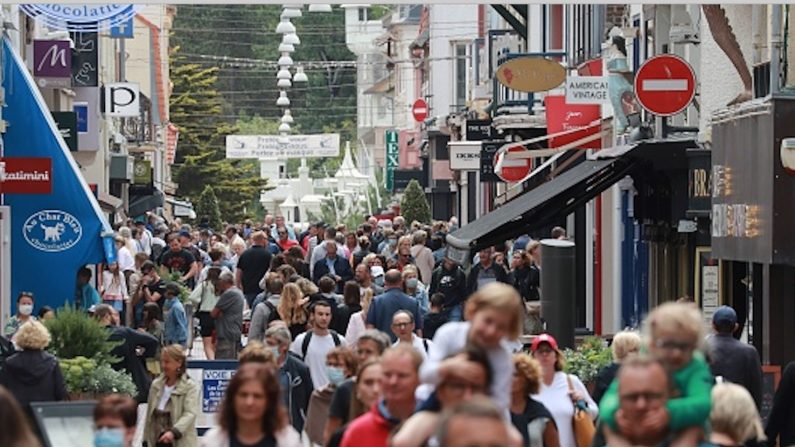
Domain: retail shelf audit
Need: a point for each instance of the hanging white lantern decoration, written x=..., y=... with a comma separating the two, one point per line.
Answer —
x=319, y=7
x=285, y=60
x=291, y=12
x=284, y=83
x=300, y=76
x=285, y=27
x=288, y=117
x=284, y=127
x=283, y=100
x=284, y=74
x=286, y=48
x=291, y=38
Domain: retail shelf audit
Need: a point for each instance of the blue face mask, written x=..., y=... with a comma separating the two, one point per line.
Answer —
x=379, y=280
x=412, y=283
x=335, y=374
x=275, y=351
x=109, y=437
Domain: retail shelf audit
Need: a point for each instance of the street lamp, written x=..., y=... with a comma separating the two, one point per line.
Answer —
x=285, y=27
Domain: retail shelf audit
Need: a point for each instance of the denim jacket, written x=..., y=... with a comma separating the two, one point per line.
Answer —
x=176, y=324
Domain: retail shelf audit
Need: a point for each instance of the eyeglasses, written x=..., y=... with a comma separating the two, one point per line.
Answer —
x=460, y=387
x=671, y=345
x=401, y=325
x=647, y=396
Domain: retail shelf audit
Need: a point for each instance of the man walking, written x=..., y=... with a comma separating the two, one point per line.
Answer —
x=294, y=376
x=228, y=315
x=313, y=345
x=364, y=278
x=486, y=271
x=252, y=266
x=450, y=280
x=384, y=306
x=403, y=326
x=333, y=266
x=732, y=359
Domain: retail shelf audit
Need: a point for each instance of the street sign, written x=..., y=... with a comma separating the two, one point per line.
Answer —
x=665, y=85
x=123, y=30
x=587, y=90
x=392, y=160
x=512, y=170
x=272, y=146
x=420, y=110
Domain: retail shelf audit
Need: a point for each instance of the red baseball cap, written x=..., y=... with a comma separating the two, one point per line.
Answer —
x=544, y=338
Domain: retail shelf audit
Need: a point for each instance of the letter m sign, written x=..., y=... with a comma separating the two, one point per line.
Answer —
x=52, y=59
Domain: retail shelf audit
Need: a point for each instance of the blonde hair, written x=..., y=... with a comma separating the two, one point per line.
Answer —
x=624, y=344
x=503, y=298
x=290, y=308
x=307, y=287
x=177, y=353
x=674, y=318
x=256, y=352
x=366, y=300
x=409, y=269
x=734, y=413
x=530, y=369
x=32, y=336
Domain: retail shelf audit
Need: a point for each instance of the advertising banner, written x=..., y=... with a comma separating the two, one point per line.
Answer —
x=61, y=230
x=269, y=146
x=562, y=117
x=26, y=175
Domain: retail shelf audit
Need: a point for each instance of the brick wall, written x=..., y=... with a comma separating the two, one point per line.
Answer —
x=616, y=15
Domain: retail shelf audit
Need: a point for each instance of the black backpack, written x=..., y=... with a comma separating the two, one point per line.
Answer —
x=273, y=314
x=305, y=345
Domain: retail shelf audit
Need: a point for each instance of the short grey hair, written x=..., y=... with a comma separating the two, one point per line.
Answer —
x=279, y=333
x=419, y=237
x=227, y=277
x=379, y=338
x=403, y=312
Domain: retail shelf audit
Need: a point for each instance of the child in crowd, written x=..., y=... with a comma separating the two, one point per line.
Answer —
x=435, y=318
x=673, y=333
x=87, y=296
x=493, y=319
x=176, y=324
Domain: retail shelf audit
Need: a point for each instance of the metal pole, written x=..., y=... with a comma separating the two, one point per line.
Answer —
x=558, y=289
x=775, y=49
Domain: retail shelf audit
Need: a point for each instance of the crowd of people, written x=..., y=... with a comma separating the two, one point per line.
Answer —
x=370, y=336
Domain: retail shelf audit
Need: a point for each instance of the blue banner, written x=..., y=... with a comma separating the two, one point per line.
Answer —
x=55, y=234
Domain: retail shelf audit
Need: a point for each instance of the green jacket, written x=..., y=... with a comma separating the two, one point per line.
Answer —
x=690, y=408
x=184, y=407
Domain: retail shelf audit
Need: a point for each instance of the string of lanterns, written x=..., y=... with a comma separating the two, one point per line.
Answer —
x=285, y=78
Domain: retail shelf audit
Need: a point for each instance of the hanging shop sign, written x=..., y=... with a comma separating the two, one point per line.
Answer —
x=271, y=146
x=531, y=74
x=67, y=125
x=25, y=175
x=587, y=90
x=122, y=99
x=86, y=106
x=464, y=155
x=142, y=172
x=392, y=158
x=479, y=130
x=80, y=17
x=52, y=63
x=487, y=151
x=562, y=116
x=85, y=60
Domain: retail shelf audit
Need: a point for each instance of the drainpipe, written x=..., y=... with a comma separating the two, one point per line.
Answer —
x=756, y=33
x=775, y=49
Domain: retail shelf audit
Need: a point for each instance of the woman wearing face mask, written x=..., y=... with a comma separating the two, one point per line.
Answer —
x=415, y=289
x=173, y=403
x=340, y=365
x=115, y=417
x=251, y=413
x=24, y=314
x=33, y=375
x=366, y=392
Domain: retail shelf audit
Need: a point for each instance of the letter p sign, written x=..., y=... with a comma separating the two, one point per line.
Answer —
x=122, y=99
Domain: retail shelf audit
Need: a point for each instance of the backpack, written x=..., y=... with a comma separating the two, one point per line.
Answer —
x=273, y=314
x=308, y=337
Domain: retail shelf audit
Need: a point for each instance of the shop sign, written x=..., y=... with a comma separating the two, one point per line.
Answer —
x=52, y=59
x=122, y=99
x=85, y=60
x=25, y=175
x=172, y=137
x=531, y=74
x=67, y=125
x=52, y=230
x=142, y=172
x=404, y=176
x=562, y=116
x=587, y=90
x=479, y=130
x=86, y=106
x=699, y=182
x=464, y=156
x=213, y=377
x=487, y=152
x=271, y=146
x=392, y=159
x=79, y=16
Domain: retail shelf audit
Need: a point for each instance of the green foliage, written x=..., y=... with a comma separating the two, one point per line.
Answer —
x=208, y=208
x=414, y=204
x=588, y=358
x=196, y=108
x=75, y=334
x=85, y=375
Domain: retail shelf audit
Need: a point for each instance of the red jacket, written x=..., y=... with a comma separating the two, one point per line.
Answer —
x=286, y=244
x=370, y=429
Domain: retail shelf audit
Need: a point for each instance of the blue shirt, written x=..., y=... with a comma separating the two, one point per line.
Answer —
x=330, y=264
x=176, y=324
x=384, y=307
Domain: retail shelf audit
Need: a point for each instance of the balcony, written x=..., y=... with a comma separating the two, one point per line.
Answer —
x=139, y=129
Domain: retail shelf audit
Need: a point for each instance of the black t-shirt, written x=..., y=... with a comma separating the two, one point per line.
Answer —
x=340, y=406
x=432, y=322
x=533, y=410
x=254, y=262
x=180, y=261
x=158, y=287
x=267, y=441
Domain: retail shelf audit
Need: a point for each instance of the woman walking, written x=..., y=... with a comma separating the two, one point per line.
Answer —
x=173, y=403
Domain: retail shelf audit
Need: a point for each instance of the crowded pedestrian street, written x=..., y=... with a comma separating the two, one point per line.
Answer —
x=397, y=225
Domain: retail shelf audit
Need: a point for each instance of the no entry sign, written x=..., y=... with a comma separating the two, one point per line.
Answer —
x=665, y=85
x=420, y=110
x=512, y=170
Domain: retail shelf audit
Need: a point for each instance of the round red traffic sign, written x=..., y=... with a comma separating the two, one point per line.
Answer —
x=513, y=170
x=420, y=110
x=665, y=85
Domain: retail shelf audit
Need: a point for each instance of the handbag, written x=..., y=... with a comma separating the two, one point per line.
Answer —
x=584, y=429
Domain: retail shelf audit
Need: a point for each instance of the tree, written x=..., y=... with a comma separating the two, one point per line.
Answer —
x=414, y=204
x=201, y=155
x=207, y=208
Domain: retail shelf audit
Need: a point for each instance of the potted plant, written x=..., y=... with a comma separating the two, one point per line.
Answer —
x=87, y=380
x=587, y=359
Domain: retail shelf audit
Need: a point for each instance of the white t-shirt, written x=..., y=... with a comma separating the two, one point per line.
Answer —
x=315, y=359
x=125, y=259
x=418, y=343
x=167, y=390
x=556, y=398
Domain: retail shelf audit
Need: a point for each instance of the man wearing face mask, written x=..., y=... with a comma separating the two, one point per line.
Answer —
x=364, y=278
x=294, y=376
x=115, y=418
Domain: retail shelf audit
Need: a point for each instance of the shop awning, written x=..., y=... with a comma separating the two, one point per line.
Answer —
x=181, y=208
x=140, y=204
x=562, y=195
x=108, y=202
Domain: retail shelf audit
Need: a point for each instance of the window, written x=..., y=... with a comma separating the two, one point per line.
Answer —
x=362, y=14
x=554, y=19
x=460, y=72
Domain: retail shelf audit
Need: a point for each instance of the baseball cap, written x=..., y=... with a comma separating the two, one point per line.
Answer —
x=544, y=338
x=724, y=316
x=184, y=233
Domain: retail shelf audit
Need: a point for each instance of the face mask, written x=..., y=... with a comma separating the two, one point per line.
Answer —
x=335, y=374
x=392, y=242
x=412, y=283
x=275, y=351
x=25, y=309
x=376, y=271
x=109, y=437
x=379, y=280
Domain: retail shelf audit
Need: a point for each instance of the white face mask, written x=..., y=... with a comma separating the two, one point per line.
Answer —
x=25, y=309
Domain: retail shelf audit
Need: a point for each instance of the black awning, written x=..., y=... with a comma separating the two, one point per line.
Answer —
x=538, y=207
x=140, y=204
